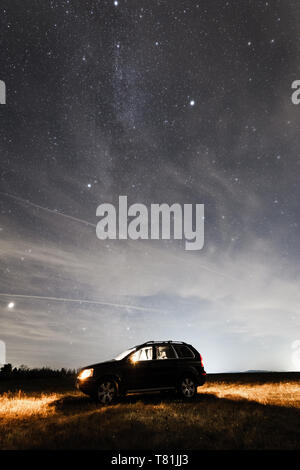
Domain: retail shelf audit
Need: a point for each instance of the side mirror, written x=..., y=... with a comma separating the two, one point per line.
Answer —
x=131, y=360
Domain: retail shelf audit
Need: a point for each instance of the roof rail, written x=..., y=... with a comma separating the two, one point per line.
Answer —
x=160, y=342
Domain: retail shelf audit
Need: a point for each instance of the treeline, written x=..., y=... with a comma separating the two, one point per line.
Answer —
x=9, y=372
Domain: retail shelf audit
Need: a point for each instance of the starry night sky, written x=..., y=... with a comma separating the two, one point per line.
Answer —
x=163, y=101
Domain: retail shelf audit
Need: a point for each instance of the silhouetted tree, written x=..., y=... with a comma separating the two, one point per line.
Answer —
x=36, y=373
x=6, y=371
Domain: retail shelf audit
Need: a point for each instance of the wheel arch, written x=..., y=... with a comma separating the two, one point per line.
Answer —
x=188, y=372
x=113, y=377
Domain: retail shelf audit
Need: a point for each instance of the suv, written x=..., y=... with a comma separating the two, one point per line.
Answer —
x=148, y=367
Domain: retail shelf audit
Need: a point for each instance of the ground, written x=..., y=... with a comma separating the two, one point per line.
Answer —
x=232, y=411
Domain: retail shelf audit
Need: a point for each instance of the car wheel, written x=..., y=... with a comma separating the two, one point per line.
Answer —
x=106, y=392
x=187, y=387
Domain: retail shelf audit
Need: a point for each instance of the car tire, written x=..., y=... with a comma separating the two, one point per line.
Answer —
x=106, y=392
x=187, y=387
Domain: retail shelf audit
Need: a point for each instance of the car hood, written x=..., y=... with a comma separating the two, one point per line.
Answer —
x=100, y=364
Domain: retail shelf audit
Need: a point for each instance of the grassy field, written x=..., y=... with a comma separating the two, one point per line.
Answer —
x=232, y=411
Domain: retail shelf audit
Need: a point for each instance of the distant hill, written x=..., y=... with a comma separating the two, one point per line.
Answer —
x=254, y=371
x=251, y=371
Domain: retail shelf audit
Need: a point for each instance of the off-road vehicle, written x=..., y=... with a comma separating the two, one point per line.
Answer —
x=148, y=367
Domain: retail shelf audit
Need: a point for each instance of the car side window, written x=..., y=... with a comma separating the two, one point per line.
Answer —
x=143, y=354
x=165, y=352
x=184, y=352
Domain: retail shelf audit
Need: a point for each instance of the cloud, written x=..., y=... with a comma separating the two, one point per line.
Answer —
x=248, y=294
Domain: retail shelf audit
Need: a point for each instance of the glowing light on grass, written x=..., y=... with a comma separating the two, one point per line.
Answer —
x=20, y=405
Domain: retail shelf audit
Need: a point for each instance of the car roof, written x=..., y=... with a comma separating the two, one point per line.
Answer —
x=150, y=343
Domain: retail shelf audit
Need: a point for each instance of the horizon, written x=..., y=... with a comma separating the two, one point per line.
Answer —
x=249, y=371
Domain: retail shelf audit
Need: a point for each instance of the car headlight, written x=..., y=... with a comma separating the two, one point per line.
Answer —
x=85, y=373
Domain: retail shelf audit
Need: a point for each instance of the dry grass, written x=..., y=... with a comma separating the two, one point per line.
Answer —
x=285, y=394
x=21, y=405
x=230, y=412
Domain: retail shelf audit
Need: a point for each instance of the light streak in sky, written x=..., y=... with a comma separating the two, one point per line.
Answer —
x=81, y=301
x=51, y=211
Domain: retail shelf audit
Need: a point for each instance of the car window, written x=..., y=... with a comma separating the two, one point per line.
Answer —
x=183, y=351
x=143, y=354
x=165, y=352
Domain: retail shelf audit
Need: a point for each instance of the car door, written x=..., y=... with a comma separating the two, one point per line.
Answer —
x=186, y=357
x=139, y=369
x=165, y=371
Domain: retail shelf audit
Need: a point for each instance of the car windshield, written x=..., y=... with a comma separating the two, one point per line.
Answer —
x=124, y=354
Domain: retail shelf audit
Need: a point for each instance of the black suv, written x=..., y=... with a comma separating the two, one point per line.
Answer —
x=151, y=366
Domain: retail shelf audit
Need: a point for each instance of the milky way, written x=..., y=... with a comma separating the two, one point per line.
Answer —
x=165, y=102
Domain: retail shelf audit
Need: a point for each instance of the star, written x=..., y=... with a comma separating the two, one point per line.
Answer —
x=192, y=103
